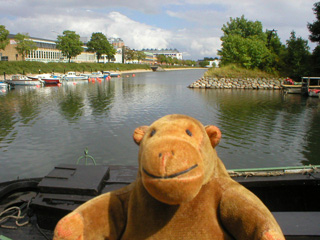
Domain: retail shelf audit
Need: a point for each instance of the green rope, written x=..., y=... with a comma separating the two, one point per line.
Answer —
x=86, y=157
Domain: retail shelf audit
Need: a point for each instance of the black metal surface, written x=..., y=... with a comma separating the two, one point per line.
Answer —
x=75, y=179
x=64, y=189
x=299, y=223
x=293, y=199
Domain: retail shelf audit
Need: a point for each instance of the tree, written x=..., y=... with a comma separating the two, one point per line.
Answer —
x=204, y=63
x=314, y=27
x=140, y=55
x=161, y=58
x=69, y=44
x=100, y=45
x=244, y=43
x=110, y=52
x=243, y=28
x=4, y=41
x=24, y=44
x=130, y=54
x=297, y=57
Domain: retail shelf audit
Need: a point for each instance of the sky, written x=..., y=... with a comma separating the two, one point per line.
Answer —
x=191, y=26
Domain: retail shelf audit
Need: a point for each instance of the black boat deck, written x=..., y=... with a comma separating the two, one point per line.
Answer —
x=293, y=199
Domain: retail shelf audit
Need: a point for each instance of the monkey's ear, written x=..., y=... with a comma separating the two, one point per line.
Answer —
x=139, y=133
x=214, y=135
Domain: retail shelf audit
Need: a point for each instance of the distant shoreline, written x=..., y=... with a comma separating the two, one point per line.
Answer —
x=8, y=76
x=149, y=70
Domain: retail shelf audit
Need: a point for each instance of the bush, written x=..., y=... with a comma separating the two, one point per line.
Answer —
x=26, y=67
x=234, y=71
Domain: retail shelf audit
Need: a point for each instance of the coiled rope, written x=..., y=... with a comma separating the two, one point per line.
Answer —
x=15, y=215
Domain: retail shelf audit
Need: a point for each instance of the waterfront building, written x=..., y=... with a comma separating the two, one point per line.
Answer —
x=174, y=53
x=150, y=58
x=116, y=42
x=215, y=62
x=46, y=52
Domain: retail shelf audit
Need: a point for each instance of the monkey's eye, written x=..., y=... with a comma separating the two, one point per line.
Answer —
x=152, y=132
x=189, y=132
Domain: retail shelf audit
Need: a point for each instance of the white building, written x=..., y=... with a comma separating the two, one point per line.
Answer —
x=174, y=53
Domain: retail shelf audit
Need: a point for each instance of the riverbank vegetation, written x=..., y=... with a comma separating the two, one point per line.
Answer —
x=236, y=71
x=25, y=67
x=246, y=46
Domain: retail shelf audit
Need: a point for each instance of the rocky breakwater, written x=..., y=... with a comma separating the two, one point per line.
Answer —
x=238, y=83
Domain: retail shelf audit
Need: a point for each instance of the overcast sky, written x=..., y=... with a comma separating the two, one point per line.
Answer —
x=191, y=26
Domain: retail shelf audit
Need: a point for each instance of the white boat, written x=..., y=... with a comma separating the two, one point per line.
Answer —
x=4, y=87
x=111, y=74
x=24, y=80
x=47, y=78
x=72, y=76
x=96, y=75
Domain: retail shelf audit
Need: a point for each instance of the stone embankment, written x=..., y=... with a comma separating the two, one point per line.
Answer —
x=246, y=83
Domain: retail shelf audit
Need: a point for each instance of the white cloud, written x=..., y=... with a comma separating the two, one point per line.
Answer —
x=137, y=35
x=197, y=36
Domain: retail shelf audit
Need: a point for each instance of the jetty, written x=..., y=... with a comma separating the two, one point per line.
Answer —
x=238, y=83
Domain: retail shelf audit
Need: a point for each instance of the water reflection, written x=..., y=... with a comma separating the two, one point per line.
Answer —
x=311, y=149
x=71, y=105
x=101, y=97
x=264, y=128
x=46, y=126
x=21, y=106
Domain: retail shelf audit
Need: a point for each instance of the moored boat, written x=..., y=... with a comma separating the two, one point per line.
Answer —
x=314, y=93
x=111, y=74
x=291, y=87
x=24, y=80
x=291, y=194
x=96, y=75
x=47, y=78
x=4, y=85
x=72, y=76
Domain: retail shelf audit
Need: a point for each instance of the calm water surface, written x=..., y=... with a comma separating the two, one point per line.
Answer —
x=43, y=127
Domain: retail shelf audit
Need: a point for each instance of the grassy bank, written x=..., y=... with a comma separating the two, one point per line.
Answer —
x=25, y=67
x=233, y=71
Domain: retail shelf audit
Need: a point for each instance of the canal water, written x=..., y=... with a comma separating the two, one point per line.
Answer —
x=43, y=127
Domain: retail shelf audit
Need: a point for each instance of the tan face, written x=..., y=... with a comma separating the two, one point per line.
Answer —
x=171, y=162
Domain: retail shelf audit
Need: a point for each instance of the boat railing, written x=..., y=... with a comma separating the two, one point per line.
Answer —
x=273, y=171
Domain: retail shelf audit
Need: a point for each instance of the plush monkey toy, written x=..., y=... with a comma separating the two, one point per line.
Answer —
x=182, y=191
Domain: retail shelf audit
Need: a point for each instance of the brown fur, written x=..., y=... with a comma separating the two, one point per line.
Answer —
x=182, y=191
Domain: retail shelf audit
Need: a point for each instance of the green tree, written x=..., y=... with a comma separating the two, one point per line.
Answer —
x=314, y=29
x=161, y=58
x=140, y=55
x=130, y=54
x=24, y=44
x=297, y=56
x=69, y=44
x=110, y=52
x=243, y=28
x=4, y=41
x=203, y=63
x=100, y=45
x=244, y=43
